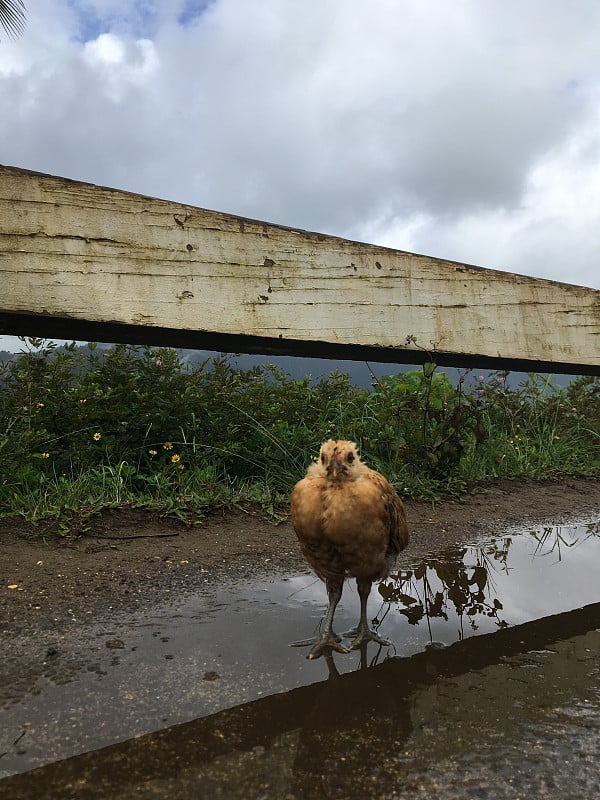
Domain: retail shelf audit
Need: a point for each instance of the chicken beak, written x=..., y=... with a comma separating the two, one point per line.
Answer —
x=335, y=467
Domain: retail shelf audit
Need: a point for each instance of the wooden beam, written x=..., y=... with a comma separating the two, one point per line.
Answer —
x=86, y=262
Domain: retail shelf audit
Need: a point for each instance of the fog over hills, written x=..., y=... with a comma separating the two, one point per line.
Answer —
x=361, y=373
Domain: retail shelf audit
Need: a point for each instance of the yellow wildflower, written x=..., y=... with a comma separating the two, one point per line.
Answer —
x=97, y=436
x=45, y=455
x=168, y=445
x=152, y=452
x=39, y=405
x=175, y=458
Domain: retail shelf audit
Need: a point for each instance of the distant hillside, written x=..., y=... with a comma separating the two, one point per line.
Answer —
x=359, y=372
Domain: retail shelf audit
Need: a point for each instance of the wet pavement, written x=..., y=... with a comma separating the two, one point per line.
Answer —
x=491, y=688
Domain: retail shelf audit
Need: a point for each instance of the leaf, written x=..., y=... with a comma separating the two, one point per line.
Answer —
x=479, y=577
x=386, y=591
x=414, y=615
x=406, y=599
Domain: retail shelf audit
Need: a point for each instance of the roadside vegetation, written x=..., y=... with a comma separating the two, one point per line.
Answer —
x=86, y=429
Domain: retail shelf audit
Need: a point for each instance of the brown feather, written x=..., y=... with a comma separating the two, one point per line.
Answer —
x=348, y=518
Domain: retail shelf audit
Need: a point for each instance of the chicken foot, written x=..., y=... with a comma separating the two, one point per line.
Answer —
x=327, y=639
x=362, y=633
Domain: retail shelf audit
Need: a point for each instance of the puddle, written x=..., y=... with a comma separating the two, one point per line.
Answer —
x=491, y=666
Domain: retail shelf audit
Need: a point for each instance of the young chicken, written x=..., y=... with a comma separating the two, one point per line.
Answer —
x=350, y=523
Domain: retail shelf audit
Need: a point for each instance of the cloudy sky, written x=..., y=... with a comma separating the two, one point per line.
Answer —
x=468, y=130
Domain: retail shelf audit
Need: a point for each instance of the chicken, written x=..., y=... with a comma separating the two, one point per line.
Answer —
x=350, y=523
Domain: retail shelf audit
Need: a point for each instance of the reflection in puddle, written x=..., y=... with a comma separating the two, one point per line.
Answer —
x=261, y=721
x=500, y=582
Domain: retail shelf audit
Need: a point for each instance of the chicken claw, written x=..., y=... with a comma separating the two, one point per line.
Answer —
x=364, y=635
x=322, y=644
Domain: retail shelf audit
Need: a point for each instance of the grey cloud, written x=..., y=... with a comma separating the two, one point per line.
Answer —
x=339, y=116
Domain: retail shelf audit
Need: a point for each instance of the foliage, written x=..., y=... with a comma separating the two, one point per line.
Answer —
x=537, y=430
x=12, y=17
x=431, y=421
x=85, y=428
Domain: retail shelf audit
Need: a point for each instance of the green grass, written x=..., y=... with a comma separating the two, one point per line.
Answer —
x=82, y=430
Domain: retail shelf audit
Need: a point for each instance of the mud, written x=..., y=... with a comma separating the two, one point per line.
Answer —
x=128, y=559
x=128, y=628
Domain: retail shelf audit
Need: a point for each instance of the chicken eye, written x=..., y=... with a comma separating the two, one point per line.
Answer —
x=350, y=458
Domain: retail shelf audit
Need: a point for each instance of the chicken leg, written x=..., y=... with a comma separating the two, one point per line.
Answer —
x=362, y=633
x=327, y=638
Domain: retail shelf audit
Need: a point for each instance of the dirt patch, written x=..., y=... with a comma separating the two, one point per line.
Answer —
x=76, y=609
x=130, y=559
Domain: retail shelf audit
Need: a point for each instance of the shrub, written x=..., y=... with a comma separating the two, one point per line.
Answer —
x=87, y=427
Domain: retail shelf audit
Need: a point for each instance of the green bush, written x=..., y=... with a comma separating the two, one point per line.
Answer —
x=85, y=428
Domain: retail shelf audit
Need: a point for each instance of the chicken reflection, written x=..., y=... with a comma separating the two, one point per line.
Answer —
x=352, y=736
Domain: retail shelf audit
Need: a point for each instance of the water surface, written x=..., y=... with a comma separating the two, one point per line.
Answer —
x=491, y=666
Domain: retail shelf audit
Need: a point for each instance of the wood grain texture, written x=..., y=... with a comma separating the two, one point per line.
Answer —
x=76, y=251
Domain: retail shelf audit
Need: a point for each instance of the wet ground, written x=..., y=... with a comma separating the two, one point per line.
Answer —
x=490, y=689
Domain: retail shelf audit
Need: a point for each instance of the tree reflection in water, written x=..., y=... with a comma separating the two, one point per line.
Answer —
x=461, y=580
x=552, y=539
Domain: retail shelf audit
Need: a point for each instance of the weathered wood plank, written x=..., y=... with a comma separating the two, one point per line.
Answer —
x=83, y=258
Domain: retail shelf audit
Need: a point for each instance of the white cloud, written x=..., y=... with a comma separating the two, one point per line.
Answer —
x=464, y=130
x=120, y=64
